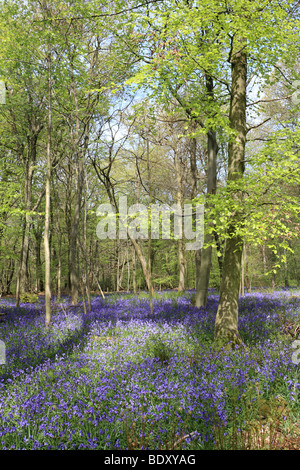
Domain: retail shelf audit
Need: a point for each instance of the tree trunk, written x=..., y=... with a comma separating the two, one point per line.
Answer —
x=212, y=151
x=121, y=273
x=134, y=271
x=263, y=251
x=243, y=274
x=74, y=274
x=286, y=272
x=193, y=162
x=150, y=286
x=143, y=263
x=226, y=324
x=58, y=272
x=182, y=264
x=38, y=263
x=247, y=280
x=128, y=268
x=181, y=257
x=47, y=206
x=85, y=251
x=23, y=273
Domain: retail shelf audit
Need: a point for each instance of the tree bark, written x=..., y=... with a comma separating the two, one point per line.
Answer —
x=134, y=271
x=47, y=206
x=38, y=263
x=58, y=273
x=226, y=324
x=23, y=272
x=247, y=280
x=193, y=162
x=179, y=197
x=212, y=151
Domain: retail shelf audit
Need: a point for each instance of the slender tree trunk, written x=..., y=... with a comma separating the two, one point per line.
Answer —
x=74, y=267
x=47, y=206
x=182, y=265
x=18, y=289
x=38, y=262
x=243, y=274
x=121, y=273
x=181, y=257
x=58, y=273
x=98, y=284
x=83, y=296
x=286, y=272
x=193, y=161
x=128, y=268
x=263, y=251
x=85, y=251
x=151, y=292
x=23, y=273
x=134, y=271
x=118, y=264
x=246, y=269
x=212, y=151
x=79, y=151
x=226, y=324
x=8, y=278
x=68, y=217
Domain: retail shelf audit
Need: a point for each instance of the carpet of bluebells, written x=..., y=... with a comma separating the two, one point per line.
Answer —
x=120, y=377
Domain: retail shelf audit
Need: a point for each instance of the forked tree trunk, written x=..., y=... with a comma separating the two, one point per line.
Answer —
x=226, y=324
x=143, y=262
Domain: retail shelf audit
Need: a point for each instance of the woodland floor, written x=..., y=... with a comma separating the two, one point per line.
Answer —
x=122, y=378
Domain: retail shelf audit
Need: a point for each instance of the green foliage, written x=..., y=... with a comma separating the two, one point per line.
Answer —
x=29, y=297
x=255, y=422
x=158, y=349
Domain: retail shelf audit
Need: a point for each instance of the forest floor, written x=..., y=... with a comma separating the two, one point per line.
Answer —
x=122, y=378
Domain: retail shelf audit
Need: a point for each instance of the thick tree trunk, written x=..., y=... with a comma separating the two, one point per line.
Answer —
x=226, y=325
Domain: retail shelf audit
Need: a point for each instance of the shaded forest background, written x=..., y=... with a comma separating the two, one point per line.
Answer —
x=68, y=97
